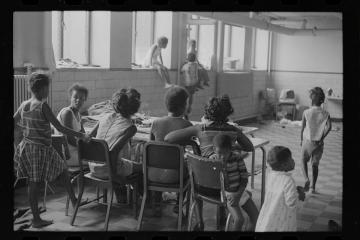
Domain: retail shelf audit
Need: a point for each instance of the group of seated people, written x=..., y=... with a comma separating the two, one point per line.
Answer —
x=173, y=128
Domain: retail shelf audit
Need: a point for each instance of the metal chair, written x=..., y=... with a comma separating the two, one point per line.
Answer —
x=97, y=151
x=164, y=156
x=287, y=98
x=206, y=174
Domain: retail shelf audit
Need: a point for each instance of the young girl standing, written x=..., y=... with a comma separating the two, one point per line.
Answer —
x=35, y=158
x=278, y=213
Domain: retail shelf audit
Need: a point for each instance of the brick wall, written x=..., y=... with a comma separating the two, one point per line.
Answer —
x=102, y=83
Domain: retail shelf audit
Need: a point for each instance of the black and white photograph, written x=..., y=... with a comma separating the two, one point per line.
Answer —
x=178, y=121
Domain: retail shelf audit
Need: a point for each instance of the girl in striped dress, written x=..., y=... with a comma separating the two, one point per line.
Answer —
x=35, y=158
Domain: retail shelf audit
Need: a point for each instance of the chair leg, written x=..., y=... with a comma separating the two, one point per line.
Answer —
x=134, y=199
x=108, y=210
x=252, y=168
x=187, y=202
x=227, y=222
x=50, y=188
x=180, y=215
x=16, y=181
x=141, y=214
x=105, y=195
x=97, y=194
x=128, y=194
x=190, y=215
x=67, y=205
x=44, y=198
x=81, y=191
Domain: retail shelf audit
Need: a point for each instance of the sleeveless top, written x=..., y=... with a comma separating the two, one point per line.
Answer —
x=36, y=128
x=151, y=58
x=76, y=120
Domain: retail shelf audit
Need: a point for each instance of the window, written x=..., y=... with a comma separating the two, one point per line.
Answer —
x=204, y=35
x=147, y=27
x=234, y=47
x=76, y=35
x=261, y=49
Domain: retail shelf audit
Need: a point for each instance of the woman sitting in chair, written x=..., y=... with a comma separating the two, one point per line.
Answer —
x=70, y=117
x=111, y=128
x=217, y=111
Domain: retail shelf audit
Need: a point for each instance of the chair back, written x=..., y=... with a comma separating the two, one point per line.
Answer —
x=164, y=156
x=205, y=172
x=60, y=144
x=97, y=151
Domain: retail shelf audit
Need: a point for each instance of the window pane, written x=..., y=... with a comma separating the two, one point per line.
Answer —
x=56, y=33
x=261, y=49
x=192, y=32
x=75, y=36
x=206, y=44
x=100, y=38
x=234, y=60
x=142, y=35
x=163, y=27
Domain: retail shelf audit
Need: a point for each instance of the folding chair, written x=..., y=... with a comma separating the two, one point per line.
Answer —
x=164, y=156
x=206, y=174
x=97, y=151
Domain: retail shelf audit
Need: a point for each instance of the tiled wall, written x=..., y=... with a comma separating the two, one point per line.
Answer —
x=102, y=83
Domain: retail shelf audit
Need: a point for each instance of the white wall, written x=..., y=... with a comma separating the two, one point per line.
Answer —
x=303, y=62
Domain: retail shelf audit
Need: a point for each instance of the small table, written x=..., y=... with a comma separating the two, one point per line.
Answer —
x=259, y=143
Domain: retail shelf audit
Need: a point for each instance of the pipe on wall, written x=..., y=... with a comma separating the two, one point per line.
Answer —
x=244, y=20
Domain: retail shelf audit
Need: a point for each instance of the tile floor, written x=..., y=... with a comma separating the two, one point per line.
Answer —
x=312, y=216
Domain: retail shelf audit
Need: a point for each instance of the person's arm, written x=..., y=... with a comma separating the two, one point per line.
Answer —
x=244, y=141
x=161, y=60
x=290, y=193
x=182, y=135
x=52, y=119
x=328, y=129
x=67, y=117
x=302, y=128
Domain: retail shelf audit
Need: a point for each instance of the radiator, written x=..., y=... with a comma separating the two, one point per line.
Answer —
x=21, y=92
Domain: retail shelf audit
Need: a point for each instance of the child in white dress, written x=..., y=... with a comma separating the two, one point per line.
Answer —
x=278, y=213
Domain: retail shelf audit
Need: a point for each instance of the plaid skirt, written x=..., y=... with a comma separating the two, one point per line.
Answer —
x=37, y=162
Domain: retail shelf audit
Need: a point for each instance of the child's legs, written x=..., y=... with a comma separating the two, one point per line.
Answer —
x=198, y=210
x=315, y=159
x=232, y=201
x=33, y=199
x=164, y=74
x=305, y=158
x=252, y=211
x=190, y=103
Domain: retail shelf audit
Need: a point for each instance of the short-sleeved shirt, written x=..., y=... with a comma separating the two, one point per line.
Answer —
x=234, y=171
x=162, y=126
x=316, y=119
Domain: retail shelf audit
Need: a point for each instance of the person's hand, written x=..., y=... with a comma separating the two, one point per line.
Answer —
x=301, y=193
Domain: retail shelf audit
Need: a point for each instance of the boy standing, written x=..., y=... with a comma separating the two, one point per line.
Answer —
x=316, y=125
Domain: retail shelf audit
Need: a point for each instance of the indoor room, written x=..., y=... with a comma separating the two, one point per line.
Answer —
x=135, y=121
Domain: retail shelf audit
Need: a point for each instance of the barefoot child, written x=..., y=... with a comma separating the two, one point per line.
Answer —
x=235, y=181
x=278, y=213
x=316, y=125
x=191, y=79
x=35, y=158
x=153, y=59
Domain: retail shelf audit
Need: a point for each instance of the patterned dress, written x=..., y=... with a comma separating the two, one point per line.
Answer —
x=35, y=158
x=278, y=213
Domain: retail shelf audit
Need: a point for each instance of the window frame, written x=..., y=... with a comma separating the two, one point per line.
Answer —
x=134, y=33
x=88, y=38
x=229, y=42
